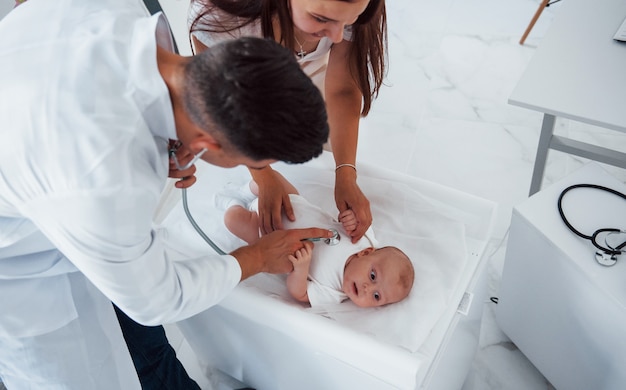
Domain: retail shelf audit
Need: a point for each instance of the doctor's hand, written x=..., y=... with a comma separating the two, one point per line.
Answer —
x=187, y=176
x=271, y=252
x=273, y=199
x=348, y=196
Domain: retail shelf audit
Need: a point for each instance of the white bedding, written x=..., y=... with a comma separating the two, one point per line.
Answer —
x=431, y=232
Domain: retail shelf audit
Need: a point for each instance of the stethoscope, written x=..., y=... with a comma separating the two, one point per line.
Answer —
x=606, y=254
x=334, y=240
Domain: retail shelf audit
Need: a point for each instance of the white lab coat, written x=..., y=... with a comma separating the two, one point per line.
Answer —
x=84, y=121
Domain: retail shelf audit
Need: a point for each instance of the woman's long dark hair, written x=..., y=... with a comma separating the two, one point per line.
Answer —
x=367, y=57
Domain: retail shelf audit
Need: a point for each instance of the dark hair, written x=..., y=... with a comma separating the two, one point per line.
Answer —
x=369, y=35
x=253, y=91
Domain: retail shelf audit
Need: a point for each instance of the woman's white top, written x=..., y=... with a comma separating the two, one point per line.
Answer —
x=85, y=119
x=313, y=63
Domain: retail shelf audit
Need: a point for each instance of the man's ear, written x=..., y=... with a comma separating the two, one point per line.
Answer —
x=205, y=141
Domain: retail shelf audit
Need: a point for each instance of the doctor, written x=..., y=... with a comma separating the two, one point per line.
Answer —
x=91, y=98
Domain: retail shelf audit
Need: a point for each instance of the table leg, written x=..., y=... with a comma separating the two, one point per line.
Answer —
x=547, y=129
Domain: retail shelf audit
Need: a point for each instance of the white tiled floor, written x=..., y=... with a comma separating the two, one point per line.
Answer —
x=443, y=116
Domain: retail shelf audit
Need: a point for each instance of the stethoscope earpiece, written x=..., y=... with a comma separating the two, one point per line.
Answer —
x=172, y=153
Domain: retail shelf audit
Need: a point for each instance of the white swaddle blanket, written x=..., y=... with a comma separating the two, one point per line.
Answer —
x=427, y=230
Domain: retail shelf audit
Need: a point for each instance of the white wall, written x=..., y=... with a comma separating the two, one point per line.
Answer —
x=176, y=12
x=5, y=7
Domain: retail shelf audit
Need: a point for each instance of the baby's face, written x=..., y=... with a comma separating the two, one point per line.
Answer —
x=370, y=281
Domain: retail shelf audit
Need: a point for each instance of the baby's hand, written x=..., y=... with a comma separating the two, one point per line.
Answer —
x=302, y=257
x=348, y=220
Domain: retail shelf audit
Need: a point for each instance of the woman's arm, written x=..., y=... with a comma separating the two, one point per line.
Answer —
x=343, y=104
x=274, y=193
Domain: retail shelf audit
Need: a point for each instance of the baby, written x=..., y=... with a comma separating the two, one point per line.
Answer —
x=326, y=274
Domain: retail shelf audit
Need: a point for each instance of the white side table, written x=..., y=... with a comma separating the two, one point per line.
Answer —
x=562, y=309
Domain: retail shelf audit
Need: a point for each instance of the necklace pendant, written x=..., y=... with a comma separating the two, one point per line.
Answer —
x=301, y=53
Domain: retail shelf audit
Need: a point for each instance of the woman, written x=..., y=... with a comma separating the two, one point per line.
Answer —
x=341, y=45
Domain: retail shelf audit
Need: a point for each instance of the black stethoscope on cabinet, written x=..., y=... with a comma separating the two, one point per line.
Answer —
x=606, y=254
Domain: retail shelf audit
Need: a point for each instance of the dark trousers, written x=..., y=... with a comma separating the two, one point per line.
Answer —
x=154, y=358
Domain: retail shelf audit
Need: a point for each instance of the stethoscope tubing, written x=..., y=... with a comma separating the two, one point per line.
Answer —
x=197, y=227
x=594, y=237
x=172, y=153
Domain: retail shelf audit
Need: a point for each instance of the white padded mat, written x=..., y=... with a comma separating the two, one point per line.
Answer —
x=429, y=231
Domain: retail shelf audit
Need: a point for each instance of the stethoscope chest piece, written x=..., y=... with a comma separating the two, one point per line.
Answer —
x=614, y=240
x=605, y=259
x=334, y=240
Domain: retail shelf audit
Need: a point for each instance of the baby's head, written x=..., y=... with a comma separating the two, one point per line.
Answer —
x=377, y=277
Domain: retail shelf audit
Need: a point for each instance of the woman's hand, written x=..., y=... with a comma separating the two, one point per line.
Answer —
x=273, y=199
x=349, y=196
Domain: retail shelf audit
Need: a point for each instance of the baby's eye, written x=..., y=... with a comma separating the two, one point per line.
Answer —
x=377, y=296
x=372, y=275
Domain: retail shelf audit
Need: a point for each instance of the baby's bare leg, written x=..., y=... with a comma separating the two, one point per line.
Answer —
x=242, y=223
